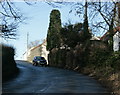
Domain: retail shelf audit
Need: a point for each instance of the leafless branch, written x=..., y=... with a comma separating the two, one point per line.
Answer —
x=10, y=19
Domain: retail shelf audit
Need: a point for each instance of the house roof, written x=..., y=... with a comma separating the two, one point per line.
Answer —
x=38, y=46
x=105, y=36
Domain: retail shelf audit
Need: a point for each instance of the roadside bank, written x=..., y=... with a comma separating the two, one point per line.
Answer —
x=99, y=64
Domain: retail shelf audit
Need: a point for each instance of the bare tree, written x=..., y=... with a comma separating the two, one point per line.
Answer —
x=10, y=18
x=101, y=15
x=107, y=11
x=33, y=44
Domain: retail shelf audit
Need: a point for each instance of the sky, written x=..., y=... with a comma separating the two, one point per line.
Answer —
x=36, y=24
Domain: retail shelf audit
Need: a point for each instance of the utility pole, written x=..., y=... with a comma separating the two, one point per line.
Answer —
x=27, y=43
x=27, y=39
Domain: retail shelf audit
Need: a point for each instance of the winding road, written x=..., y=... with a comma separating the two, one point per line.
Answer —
x=36, y=79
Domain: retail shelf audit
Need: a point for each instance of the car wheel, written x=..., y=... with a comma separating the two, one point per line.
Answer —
x=36, y=64
x=33, y=64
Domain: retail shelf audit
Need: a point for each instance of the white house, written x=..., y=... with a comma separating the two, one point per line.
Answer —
x=25, y=55
x=116, y=41
x=116, y=38
x=39, y=50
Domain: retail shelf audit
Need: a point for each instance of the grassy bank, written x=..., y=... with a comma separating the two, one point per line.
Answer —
x=9, y=68
x=105, y=76
x=106, y=70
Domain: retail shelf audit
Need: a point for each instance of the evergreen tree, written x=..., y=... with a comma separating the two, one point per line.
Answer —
x=71, y=34
x=53, y=36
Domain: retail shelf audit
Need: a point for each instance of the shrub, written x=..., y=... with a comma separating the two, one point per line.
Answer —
x=114, y=60
x=9, y=68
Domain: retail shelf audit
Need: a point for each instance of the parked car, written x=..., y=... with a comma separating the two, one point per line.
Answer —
x=38, y=60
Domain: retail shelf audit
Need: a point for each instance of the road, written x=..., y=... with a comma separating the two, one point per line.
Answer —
x=33, y=79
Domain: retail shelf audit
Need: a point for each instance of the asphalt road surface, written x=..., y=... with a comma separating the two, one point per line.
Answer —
x=36, y=79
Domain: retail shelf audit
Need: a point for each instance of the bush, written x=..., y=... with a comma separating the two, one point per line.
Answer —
x=9, y=68
x=104, y=58
x=94, y=53
x=114, y=60
x=57, y=57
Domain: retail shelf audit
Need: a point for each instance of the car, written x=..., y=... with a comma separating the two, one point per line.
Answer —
x=38, y=60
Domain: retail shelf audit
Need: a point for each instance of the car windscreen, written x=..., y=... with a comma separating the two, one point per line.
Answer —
x=42, y=58
x=39, y=58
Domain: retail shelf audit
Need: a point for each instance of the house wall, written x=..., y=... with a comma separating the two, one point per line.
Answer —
x=116, y=41
x=44, y=52
x=27, y=53
x=35, y=52
x=38, y=51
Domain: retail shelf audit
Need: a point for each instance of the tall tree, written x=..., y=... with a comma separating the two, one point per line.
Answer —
x=53, y=36
x=100, y=14
x=107, y=11
x=86, y=32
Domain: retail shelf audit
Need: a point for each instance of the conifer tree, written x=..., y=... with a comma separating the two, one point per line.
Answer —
x=53, y=36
